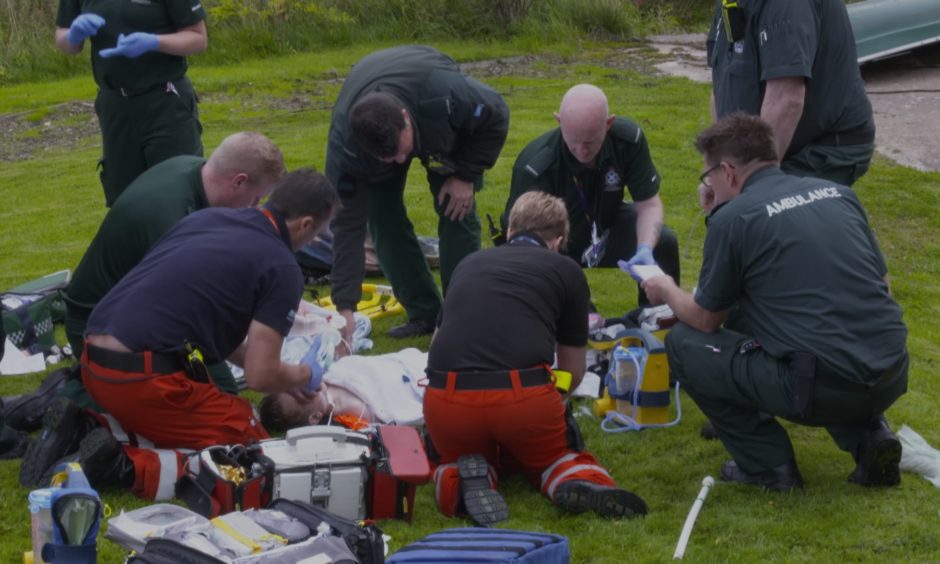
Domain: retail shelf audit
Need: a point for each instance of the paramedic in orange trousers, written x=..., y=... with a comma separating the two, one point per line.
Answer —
x=491, y=393
x=195, y=287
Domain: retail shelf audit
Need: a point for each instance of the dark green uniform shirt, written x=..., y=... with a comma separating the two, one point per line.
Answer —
x=460, y=127
x=798, y=257
x=129, y=16
x=591, y=193
x=150, y=206
x=793, y=38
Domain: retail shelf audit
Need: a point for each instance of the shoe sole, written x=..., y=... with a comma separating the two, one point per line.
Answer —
x=484, y=504
x=606, y=502
x=41, y=453
x=884, y=468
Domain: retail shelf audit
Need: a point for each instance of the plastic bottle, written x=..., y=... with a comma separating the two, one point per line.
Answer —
x=40, y=512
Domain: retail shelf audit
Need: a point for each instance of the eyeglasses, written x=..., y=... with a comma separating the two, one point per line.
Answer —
x=703, y=178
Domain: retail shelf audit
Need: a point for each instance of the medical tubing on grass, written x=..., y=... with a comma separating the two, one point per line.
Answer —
x=707, y=484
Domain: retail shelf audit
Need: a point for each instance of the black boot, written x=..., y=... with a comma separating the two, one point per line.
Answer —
x=781, y=478
x=878, y=458
x=414, y=328
x=104, y=462
x=64, y=425
x=577, y=496
x=24, y=413
x=12, y=442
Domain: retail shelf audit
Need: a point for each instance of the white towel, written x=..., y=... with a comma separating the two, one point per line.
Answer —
x=918, y=456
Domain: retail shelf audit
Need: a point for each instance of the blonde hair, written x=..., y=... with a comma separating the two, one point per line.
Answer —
x=542, y=214
x=251, y=153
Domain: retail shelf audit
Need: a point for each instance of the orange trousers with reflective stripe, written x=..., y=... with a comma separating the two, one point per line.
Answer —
x=524, y=425
x=172, y=411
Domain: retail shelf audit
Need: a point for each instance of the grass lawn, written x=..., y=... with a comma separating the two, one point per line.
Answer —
x=53, y=204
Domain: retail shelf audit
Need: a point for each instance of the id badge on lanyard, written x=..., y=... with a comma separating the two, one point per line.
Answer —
x=594, y=252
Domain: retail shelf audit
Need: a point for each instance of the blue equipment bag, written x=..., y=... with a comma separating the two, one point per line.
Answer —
x=471, y=545
x=76, y=518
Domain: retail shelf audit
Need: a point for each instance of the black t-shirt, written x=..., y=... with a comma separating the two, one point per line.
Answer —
x=506, y=308
x=204, y=282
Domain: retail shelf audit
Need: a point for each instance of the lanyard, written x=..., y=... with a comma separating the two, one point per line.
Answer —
x=267, y=213
x=524, y=239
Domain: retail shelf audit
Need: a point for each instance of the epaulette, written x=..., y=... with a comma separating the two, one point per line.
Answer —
x=626, y=130
x=541, y=161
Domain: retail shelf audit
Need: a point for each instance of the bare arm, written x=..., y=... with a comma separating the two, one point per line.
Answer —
x=649, y=220
x=663, y=290
x=571, y=359
x=782, y=109
x=187, y=41
x=62, y=43
x=264, y=371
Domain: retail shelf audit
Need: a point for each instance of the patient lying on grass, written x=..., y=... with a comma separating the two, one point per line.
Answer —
x=376, y=389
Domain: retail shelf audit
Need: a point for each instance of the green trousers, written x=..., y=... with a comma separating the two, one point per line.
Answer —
x=843, y=165
x=143, y=129
x=397, y=245
x=738, y=390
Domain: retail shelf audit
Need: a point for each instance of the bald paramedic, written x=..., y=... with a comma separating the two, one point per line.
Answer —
x=588, y=161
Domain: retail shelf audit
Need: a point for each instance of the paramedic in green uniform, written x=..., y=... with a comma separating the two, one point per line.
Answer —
x=794, y=63
x=395, y=105
x=146, y=106
x=825, y=342
x=243, y=169
x=587, y=161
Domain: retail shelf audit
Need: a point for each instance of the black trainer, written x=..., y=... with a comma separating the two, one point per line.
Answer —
x=104, y=462
x=878, y=458
x=783, y=478
x=484, y=504
x=63, y=427
x=577, y=496
x=414, y=328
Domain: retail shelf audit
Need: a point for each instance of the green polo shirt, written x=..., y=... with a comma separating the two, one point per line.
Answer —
x=811, y=39
x=799, y=259
x=129, y=16
x=150, y=206
x=591, y=192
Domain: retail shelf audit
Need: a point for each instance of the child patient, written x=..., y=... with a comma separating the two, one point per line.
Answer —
x=378, y=389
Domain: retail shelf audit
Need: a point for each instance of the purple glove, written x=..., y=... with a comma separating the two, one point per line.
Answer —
x=133, y=45
x=315, y=362
x=83, y=27
x=644, y=255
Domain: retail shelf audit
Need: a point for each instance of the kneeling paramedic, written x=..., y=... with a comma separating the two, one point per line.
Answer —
x=491, y=396
x=793, y=316
x=223, y=282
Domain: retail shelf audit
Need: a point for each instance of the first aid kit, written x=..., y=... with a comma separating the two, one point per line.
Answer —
x=485, y=545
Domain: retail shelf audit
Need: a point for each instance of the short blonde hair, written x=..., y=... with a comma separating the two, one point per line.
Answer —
x=540, y=213
x=251, y=153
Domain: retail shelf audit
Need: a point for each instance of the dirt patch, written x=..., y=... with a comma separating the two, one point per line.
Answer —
x=64, y=125
x=905, y=94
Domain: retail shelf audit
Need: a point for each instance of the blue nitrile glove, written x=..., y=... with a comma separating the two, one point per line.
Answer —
x=83, y=27
x=312, y=359
x=133, y=45
x=644, y=255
